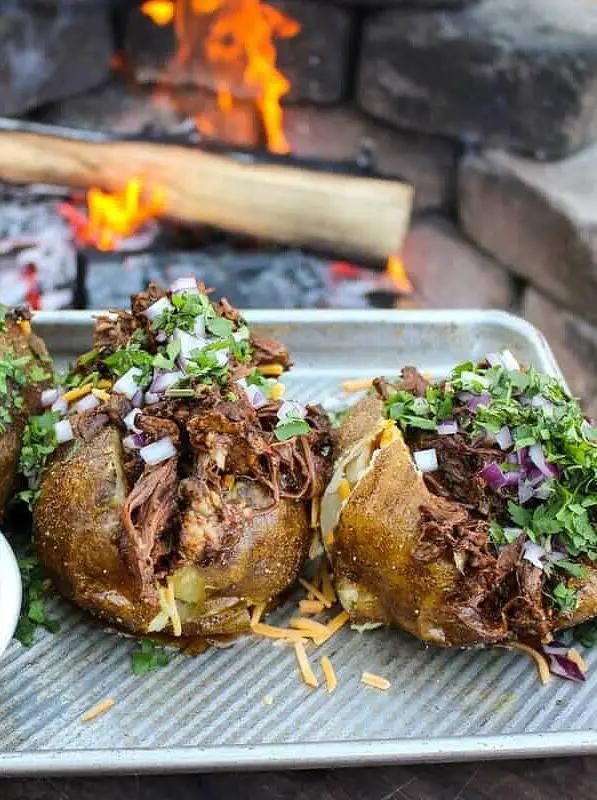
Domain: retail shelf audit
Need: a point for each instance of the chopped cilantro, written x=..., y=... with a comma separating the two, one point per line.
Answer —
x=565, y=597
x=586, y=633
x=13, y=377
x=33, y=609
x=148, y=657
x=167, y=359
x=292, y=425
x=186, y=309
x=220, y=327
x=125, y=358
x=39, y=442
x=3, y=311
x=88, y=357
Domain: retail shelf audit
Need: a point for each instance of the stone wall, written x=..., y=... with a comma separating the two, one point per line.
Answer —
x=489, y=107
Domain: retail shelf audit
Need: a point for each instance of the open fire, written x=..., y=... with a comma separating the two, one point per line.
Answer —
x=238, y=41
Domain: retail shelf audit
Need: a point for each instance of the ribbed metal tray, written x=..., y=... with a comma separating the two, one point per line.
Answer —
x=208, y=712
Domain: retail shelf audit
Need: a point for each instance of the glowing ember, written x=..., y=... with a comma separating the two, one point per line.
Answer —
x=239, y=45
x=114, y=216
x=396, y=271
x=159, y=11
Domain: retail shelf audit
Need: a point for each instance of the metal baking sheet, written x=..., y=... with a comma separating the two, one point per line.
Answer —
x=208, y=712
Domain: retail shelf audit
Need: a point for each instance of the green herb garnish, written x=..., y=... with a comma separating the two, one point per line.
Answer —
x=34, y=613
x=565, y=598
x=148, y=657
x=13, y=377
x=39, y=442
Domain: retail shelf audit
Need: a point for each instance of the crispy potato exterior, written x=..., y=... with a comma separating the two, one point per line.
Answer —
x=77, y=529
x=10, y=441
x=377, y=579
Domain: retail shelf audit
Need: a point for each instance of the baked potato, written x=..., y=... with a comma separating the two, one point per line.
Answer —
x=463, y=511
x=24, y=371
x=180, y=499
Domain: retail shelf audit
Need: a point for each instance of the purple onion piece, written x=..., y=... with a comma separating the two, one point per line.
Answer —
x=525, y=492
x=494, y=359
x=161, y=337
x=533, y=552
x=555, y=648
x=538, y=458
x=137, y=399
x=154, y=310
x=61, y=406
x=87, y=403
x=504, y=438
x=447, y=427
x=565, y=668
x=494, y=476
x=49, y=397
x=184, y=286
x=511, y=477
x=483, y=399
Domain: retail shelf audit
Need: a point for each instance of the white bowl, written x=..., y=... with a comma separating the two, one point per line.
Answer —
x=10, y=593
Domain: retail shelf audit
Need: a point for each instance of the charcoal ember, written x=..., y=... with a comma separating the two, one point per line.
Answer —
x=249, y=280
x=38, y=259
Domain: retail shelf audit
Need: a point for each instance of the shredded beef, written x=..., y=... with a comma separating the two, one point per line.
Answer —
x=146, y=515
x=87, y=423
x=141, y=302
x=114, y=331
x=267, y=350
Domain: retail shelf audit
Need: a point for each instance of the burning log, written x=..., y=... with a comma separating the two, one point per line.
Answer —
x=347, y=215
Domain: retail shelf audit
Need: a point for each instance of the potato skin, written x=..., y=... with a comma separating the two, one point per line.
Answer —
x=12, y=338
x=377, y=578
x=77, y=526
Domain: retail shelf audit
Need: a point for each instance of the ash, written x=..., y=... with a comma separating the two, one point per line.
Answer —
x=38, y=258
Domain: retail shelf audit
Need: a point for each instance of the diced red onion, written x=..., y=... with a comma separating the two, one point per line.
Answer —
x=447, y=427
x=161, y=337
x=61, y=406
x=533, y=552
x=151, y=398
x=199, y=328
x=555, y=648
x=157, y=308
x=494, y=359
x=127, y=385
x=509, y=361
x=504, y=438
x=512, y=458
x=538, y=401
x=256, y=396
x=464, y=397
x=184, y=286
x=222, y=356
x=188, y=343
x=289, y=407
x=87, y=403
x=130, y=443
x=483, y=399
x=511, y=477
x=544, y=492
x=525, y=461
x=565, y=668
x=538, y=458
x=426, y=460
x=158, y=451
x=63, y=431
x=137, y=399
x=494, y=476
x=130, y=418
x=472, y=377
x=525, y=492
x=49, y=397
x=162, y=379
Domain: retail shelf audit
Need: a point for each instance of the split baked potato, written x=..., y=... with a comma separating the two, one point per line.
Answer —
x=451, y=509
x=177, y=506
x=24, y=371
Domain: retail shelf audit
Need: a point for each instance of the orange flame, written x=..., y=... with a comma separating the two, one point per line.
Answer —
x=159, y=11
x=239, y=44
x=396, y=271
x=112, y=216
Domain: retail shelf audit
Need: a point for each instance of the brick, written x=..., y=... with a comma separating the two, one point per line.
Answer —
x=342, y=134
x=539, y=219
x=43, y=59
x=449, y=272
x=518, y=74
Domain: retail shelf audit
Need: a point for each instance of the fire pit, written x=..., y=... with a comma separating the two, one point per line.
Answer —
x=371, y=89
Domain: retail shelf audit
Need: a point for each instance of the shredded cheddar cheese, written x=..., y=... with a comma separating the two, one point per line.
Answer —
x=344, y=489
x=375, y=681
x=25, y=327
x=257, y=613
x=307, y=673
x=334, y=625
x=357, y=385
x=311, y=606
x=315, y=592
x=315, y=630
x=328, y=674
x=577, y=659
x=315, y=508
x=101, y=394
x=271, y=370
x=272, y=632
x=540, y=661
x=327, y=587
x=77, y=393
x=97, y=710
x=173, y=608
x=278, y=390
